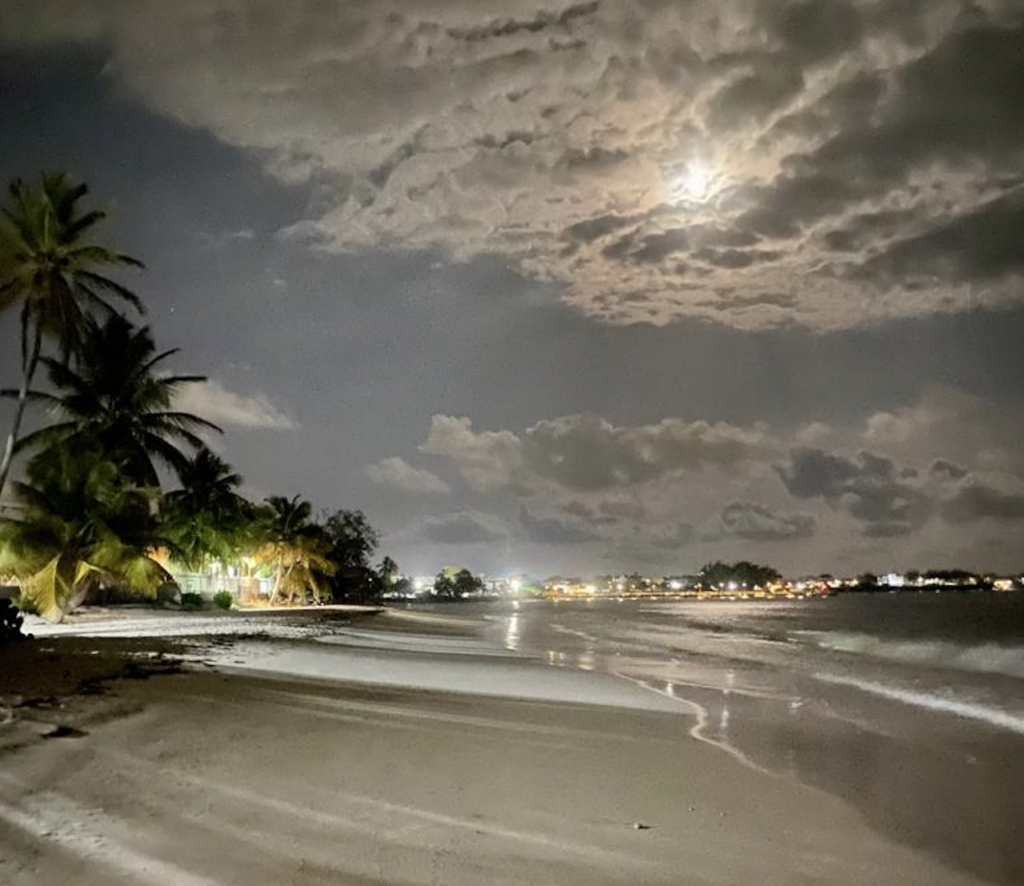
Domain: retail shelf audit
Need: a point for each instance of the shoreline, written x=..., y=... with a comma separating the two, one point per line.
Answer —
x=310, y=783
x=477, y=779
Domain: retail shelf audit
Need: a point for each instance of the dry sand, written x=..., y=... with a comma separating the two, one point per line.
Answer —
x=221, y=779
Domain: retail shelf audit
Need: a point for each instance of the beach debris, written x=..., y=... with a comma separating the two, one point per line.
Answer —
x=63, y=731
x=48, y=701
x=640, y=826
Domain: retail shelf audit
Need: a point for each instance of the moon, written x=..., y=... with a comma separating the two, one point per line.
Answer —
x=696, y=184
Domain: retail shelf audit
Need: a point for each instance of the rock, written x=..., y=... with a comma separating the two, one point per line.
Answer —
x=65, y=732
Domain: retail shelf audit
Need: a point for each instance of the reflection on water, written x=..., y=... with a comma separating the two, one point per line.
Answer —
x=915, y=769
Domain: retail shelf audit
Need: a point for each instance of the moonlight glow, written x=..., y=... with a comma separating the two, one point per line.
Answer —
x=696, y=184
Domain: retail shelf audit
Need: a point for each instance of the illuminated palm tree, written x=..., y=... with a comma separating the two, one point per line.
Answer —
x=82, y=521
x=207, y=518
x=112, y=398
x=49, y=265
x=295, y=548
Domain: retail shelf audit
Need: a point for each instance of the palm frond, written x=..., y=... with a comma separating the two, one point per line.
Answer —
x=48, y=436
x=31, y=396
x=112, y=286
x=185, y=420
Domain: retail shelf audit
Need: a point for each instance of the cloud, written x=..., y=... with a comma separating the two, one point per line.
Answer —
x=977, y=500
x=557, y=134
x=943, y=468
x=462, y=528
x=933, y=480
x=586, y=453
x=953, y=426
x=553, y=531
x=677, y=536
x=214, y=402
x=487, y=460
x=754, y=522
x=869, y=488
x=399, y=474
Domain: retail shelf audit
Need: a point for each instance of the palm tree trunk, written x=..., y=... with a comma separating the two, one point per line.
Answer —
x=291, y=588
x=277, y=582
x=28, y=372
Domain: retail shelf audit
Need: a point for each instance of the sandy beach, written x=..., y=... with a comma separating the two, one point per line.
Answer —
x=230, y=774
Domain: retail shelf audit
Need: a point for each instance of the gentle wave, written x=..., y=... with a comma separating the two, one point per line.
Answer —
x=942, y=703
x=987, y=658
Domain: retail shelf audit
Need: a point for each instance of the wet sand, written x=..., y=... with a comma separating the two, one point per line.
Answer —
x=241, y=778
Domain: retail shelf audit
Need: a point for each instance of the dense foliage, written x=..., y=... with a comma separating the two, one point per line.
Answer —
x=451, y=585
x=92, y=512
x=730, y=576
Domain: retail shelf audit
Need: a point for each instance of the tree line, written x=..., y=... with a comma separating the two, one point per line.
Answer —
x=119, y=487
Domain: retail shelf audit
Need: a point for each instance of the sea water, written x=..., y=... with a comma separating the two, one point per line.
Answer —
x=909, y=706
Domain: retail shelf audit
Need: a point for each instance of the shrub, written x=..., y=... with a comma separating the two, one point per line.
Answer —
x=223, y=600
x=191, y=600
x=25, y=603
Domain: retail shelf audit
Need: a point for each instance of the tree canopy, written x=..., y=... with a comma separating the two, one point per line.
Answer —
x=51, y=266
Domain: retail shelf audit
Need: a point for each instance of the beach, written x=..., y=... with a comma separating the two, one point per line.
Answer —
x=402, y=751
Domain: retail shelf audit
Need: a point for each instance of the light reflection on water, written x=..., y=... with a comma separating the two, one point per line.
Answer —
x=942, y=784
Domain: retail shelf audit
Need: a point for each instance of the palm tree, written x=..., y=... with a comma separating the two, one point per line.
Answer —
x=294, y=547
x=388, y=573
x=82, y=522
x=48, y=263
x=207, y=517
x=112, y=398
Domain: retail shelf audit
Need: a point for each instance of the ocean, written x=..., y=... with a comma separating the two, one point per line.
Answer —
x=908, y=706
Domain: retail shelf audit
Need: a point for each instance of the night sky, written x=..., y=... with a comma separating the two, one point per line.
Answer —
x=572, y=287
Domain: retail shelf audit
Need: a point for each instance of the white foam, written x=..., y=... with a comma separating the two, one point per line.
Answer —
x=941, y=703
x=179, y=624
x=987, y=658
x=429, y=644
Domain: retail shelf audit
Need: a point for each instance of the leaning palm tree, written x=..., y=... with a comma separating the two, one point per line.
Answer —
x=112, y=398
x=206, y=519
x=82, y=522
x=295, y=548
x=49, y=264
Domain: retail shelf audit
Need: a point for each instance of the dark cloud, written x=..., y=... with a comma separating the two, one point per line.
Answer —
x=553, y=531
x=754, y=522
x=869, y=487
x=542, y=21
x=595, y=228
x=606, y=514
x=979, y=501
x=845, y=104
x=678, y=536
x=736, y=258
x=772, y=82
x=814, y=30
x=981, y=245
x=462, y=528
x=866, y=228
x=586, y=452
x=943, y=468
